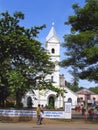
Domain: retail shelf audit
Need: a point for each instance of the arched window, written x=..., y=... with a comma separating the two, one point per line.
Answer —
x=70, y=100
x=52, y=50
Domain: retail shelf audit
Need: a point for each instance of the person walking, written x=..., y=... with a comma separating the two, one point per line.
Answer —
x=83, y=110
x=42, y=113
x=38, y=113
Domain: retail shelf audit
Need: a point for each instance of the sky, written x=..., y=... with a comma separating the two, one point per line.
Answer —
x=39, y=12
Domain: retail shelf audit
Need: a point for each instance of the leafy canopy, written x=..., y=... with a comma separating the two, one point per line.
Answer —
x=82, y=43
x=24, y=62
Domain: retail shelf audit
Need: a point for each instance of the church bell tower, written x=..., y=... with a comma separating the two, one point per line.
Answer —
x=53, y=49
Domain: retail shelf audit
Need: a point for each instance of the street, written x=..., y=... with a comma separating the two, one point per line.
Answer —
x=66, y=126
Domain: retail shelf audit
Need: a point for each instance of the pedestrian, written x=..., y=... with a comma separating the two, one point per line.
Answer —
x=97, y=114
x=83, y=110
x=42, y=113
x=38, y=113
x=79, y=109
x=42, y=108
x=94, y=103
x=91, y=113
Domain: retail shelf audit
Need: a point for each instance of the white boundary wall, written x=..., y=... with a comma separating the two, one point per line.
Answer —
x=66, y=114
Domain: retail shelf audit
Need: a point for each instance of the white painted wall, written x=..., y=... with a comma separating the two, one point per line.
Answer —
x=42, y=97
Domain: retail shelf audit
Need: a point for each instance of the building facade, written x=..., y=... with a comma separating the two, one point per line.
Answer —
x=53, y=49
x=86, y=97
x=48, y=97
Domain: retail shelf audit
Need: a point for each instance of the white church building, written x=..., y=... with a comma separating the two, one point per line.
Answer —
x=48, y=97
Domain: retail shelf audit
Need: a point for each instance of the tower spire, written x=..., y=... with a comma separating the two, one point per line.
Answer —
x=53, y=50
x=52, y=34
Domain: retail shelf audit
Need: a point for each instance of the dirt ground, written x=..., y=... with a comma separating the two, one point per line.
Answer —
x=59, y=121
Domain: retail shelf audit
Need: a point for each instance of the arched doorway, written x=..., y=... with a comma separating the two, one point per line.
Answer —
x=51, y=102
x=29, y=102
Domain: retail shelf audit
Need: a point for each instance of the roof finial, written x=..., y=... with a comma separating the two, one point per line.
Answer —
x=52, y=33
x=52, y=23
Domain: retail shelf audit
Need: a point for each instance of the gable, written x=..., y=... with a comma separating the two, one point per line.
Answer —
x=70, y=92
x=85, y=92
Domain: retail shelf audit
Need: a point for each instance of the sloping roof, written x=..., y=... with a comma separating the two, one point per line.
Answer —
x=85, y=91
x=52, y=34
x=10, y=99
x=69, y=90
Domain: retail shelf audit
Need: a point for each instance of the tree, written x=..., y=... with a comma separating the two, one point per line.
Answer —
x=94, y=89
x=82, y=43
x=24, y=62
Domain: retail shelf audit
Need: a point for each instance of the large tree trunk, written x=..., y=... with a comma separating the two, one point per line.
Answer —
x=1, y=103
x=18, y=100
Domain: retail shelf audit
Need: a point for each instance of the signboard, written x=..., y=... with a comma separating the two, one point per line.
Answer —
x=4, y=112
x=54, y=114
x=47, y=114
x=68, y=111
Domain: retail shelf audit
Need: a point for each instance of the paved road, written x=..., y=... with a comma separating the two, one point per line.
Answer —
x=66, y=126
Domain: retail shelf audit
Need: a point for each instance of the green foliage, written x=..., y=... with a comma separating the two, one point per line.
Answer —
x=73, y=86
x=24, y=62
x=50, y=106
x=82, y=44
x=94, y=89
